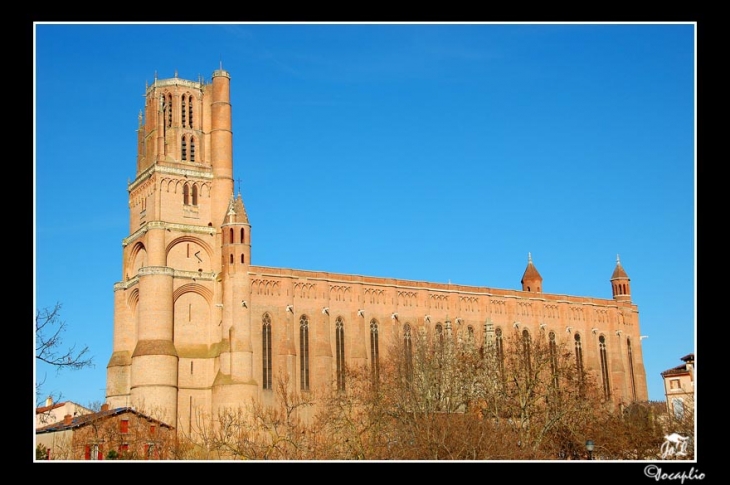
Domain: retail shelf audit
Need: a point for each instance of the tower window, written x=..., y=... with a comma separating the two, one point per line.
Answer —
x=192, y=149
x=186, y=194
x=242, y=234
x=242, y=259
x=230, y=259
x=183, y=110
x=184, y=148
x=195, y=195
x=190, y=112
x=304, y=352
x=340, y=351
x=266, y=351
x=168, y=107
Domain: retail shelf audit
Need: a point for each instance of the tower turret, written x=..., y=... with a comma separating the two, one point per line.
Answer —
x=620, y=283
x=221, y=145
x=531, y=279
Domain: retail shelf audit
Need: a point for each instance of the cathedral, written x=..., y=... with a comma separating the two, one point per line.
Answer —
x=198, y=326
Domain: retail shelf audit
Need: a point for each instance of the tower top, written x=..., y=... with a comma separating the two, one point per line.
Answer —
x=620, y=283
x=531, y=279
x=619, y=272
x=221, y=72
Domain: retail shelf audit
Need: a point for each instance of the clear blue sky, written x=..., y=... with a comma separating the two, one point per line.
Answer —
x=437, y=152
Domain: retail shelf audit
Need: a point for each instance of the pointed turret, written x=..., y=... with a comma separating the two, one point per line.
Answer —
x=236, y=234
x=620, y=282
x=240, y=210
x=531, y=279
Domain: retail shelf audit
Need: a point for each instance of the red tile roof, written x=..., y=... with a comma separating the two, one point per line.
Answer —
x=85, y=419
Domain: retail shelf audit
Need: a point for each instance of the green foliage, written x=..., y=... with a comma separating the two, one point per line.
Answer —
x=41, y=452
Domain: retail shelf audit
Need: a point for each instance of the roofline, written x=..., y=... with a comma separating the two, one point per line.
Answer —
x=89, y=418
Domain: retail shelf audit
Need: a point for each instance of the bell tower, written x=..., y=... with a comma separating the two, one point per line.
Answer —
x=168, y=304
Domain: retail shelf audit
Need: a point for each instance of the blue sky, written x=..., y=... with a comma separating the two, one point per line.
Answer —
x=436, y=152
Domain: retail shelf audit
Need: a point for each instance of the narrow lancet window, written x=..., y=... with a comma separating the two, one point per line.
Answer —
x=340, y=351
x=304, y=352
x=266, y=351
x=374, y=364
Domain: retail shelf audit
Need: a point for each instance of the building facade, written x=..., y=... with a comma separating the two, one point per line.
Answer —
x=55, y=412
x=198, y=327
x=679, y=387
x=120, y=433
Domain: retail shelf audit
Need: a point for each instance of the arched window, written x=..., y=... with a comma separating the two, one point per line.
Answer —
x=168, y=107
x=408, y=352
x=579, y=358
x=230, y=259
x=230, y=233
x=374, y=354
x=242, y=259
x=184, y=148
x=183, y=110
x=195, y=194
x=499, y=346
x=631, y=369
x=190, y=112
x=527, y=350
x=340, y=351
x=553, y=348
x=604, y=366
x=439, y=334
x=186, y=194
x=192, y=149
x=304, y=352
x=243, y=233
x=266, y=351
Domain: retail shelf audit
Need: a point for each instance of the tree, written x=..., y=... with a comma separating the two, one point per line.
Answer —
x=442, y=396
x=49, y=345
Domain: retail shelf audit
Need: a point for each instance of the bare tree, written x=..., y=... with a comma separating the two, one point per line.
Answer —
x=49, y=345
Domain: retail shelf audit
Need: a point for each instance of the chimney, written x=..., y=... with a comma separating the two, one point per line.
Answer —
x=49, y=401
x=105, y=407
x=67, y=419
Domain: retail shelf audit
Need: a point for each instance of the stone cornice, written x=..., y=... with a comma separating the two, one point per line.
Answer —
x=155, y=270
x=167, y=170
x=148, y=270
x=175, y=81
x=196, y=275
x=188, y=228
x=125, y=285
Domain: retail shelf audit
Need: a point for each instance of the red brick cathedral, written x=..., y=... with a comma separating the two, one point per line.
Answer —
x=198, y=326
